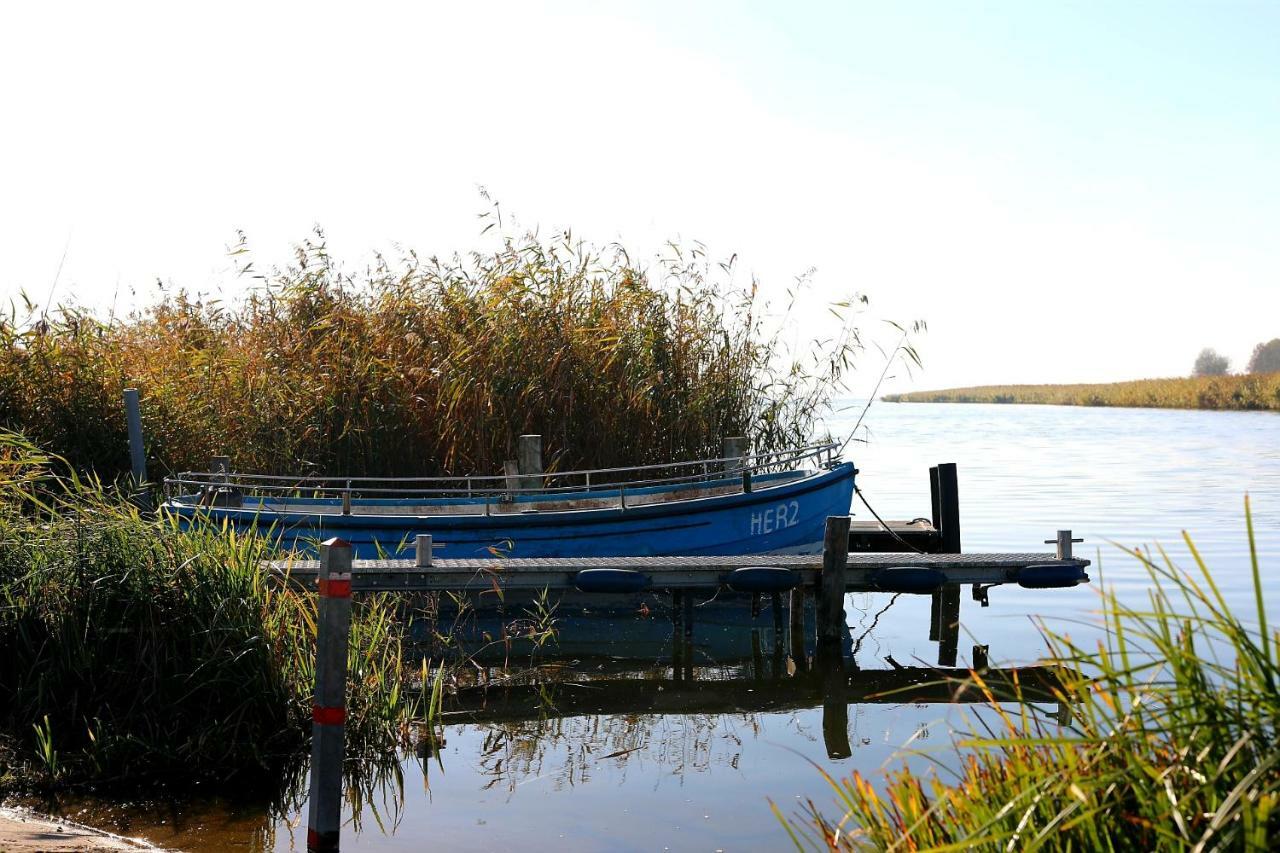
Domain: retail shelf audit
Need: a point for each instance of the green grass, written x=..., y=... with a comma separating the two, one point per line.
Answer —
x=1246, y=391
x=135, y=653
x=1173, y=744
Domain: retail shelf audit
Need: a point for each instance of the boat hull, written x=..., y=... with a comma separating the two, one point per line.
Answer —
x=785, y=518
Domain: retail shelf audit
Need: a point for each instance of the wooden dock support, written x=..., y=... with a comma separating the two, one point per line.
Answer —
x=795, y=629
x=137, y=452
x=328, y=709
x=948, y=626
x=944, y=609
x=529, y=461
x=831, y=583
x=829, y=662
x=944, y=490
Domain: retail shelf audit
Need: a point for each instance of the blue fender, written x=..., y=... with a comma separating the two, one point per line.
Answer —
x=762, y=579
x=611, y=580
x=909, y=579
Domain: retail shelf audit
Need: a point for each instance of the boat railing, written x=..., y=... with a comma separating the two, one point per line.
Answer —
x=737, y=470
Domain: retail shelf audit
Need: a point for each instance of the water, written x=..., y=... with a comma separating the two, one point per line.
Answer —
x=699, y=774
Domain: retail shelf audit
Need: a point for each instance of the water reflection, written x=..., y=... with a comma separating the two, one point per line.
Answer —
x=620, y=699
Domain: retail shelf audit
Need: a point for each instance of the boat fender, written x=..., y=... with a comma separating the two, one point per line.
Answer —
x=762, y=579
x=611, y=580
x=1050, y=577
x=909, y=579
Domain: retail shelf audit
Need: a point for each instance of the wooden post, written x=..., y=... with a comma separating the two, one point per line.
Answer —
x=795, y=614
x=757, y=655
x=422, y=550
x=733, y=451
x=948, y=624
x=137, y=453
x=511, y=473
x=831, y=584
x=948, y=518
x=529, y=461
x=835, y=704
x=677, y=636
x=328, y=709
x=944, y=614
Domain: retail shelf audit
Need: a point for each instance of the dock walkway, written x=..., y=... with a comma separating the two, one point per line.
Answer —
x=863, y=571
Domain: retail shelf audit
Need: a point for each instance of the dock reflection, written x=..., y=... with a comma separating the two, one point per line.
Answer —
x=618, y=667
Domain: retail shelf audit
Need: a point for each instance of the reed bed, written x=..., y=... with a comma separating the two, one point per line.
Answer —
x=1173, y=744
x=424, y=366
x=139, y=654
x=1248, y=391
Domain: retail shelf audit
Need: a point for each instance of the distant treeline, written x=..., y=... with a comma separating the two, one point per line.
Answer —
x=1244, y=392
x=421, y=366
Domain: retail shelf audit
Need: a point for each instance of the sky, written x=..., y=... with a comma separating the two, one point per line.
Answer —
x=1063, y=191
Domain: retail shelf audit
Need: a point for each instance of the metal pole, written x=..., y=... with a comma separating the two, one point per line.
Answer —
x=423, y=553
x=328, y=709
x=137, y=454
x=831, y=584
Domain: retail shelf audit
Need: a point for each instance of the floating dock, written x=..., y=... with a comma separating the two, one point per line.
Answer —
x=864, y=572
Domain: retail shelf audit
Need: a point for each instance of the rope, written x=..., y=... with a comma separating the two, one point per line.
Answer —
x=888, y=529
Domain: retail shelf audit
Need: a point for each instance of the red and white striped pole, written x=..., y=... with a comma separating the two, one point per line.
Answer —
x=329, y=706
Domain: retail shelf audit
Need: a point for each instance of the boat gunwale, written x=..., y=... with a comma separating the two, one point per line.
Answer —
x=813, y=481
x=729, y=466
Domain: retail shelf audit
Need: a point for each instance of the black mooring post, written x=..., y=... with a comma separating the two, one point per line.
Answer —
x=949, y=625
x=944, y=610
x=947, y=509
x=831, y=583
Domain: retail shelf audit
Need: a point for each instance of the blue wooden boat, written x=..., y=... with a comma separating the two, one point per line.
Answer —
x=754, y=504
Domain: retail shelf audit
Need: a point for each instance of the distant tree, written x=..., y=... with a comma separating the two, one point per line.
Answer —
x=1209, y=363
x=1266, y=357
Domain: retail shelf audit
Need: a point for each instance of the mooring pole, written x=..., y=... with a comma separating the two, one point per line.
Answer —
x=137, y=453
x=529, y=461
x=829, y=661
x=795, y=628
x=328, y=709
x=422, y=551
x=944, y=611
x=831, y=584
x=734, y=450
x=949, y=624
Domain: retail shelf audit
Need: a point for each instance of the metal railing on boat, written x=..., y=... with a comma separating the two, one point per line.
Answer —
x=506, y=488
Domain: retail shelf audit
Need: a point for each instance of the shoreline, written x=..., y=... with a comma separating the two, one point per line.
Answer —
x=1237, y=393
x=25, y=831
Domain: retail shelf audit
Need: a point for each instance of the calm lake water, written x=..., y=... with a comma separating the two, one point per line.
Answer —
x=699, y=774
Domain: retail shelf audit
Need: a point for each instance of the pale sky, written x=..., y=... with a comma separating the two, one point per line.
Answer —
x=1064, y=191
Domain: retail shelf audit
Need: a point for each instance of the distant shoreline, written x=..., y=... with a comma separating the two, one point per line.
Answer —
x=1243, y=392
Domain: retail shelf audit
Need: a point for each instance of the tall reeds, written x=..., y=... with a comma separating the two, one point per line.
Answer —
x=420, y=366
x=1173, y=745
x=137, y=653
